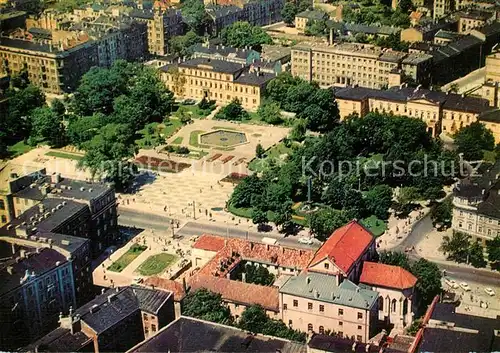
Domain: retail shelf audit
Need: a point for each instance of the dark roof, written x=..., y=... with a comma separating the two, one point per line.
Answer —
x=475, y=14
x=448, y=101
x=491, y=203
x=492, y=116
x=65, y=188
x=108, y=309
x=314, y=15
x=218, y=11
x=192, y=335
x=254, y=78
x=343, y=345
x=221, y=50
x=38, y=263
x=27, y=45
x=490, y=29
x=144, y=14
x=447, y=34
x=469, y=333
x=60, y=340
x=216, y=65
x=151, y=300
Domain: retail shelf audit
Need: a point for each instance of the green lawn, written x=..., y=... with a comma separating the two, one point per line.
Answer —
x=260, y=164
x=193, y=139
x=19, y=149
x=240, y=212
x=124, y=260
x=375, y=225
x=156, y=264
x=198, y=154
x=196, y=112
x=177, y=141
x=171, y=127
x=65, y=155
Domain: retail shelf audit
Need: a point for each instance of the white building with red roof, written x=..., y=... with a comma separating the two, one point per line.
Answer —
x=343, y=253
x=396, y=288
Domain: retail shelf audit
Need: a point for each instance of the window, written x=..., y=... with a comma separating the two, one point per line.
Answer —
x=360, y=316
x=340, y=334
x=2, y=205
x=341, y=323
x=4, y=219
x=322, y=308
x=285, y=306
x=393, y=305
x=309, y=306
x=145, y=317
x=359, y=338
x=309, y=327
x=321, y=330
x=327, y=266
x=295, y=303
x=341, y=312
x=360, y=327
x=153, y=328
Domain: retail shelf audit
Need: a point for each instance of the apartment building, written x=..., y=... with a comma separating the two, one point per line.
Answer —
x=440, y=111
x=162, y=24
x=475, y=206
x=219, y=80
x=37, y=284
x=354, y=64
x=308, y=16
x=441, y=8
x=426, y=31
x=114, y=321
x=468, y=20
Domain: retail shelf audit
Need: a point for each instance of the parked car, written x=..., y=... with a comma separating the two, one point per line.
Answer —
x=464, y=286
x=138, y=280
x=451, y=283
x=305, y=240
x=490, y=292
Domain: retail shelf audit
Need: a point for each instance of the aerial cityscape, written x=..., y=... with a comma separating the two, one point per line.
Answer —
x=277, y=176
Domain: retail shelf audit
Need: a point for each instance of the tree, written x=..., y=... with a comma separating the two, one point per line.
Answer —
x=288, y=13
x=282, y=216
x=183, y=114
x=181, y=45
x=476, y=255
x=317, y=28
x=3, y=144
x=259, y=151
x=58, y=107
x=259, y=275
x=84, y=128
x=259, y=216
x=395, y=258
x=242, y=34
x=233, y=111
x=277, y=88
x=405, y=6
x=428, y=281
x=46, y=126
x=19, y=106
x=206, y=305
x=441, y=213
x=19, y=79
x=299, y=130
x=378, y=200
x=107, y=153
x=457, y=247
x=406, y=196
x=246, y=192
x=473, y=139
x=493, y=250
x=206, y=104
x=270, y=112
x=323, y=222
x=195, y=16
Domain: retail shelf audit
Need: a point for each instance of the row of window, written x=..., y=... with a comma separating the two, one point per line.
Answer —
x=321, y=308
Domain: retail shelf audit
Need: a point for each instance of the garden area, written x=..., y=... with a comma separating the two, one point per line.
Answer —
x=125, y=260
x=160, y=165
x=271, y=157
x=65, y=155
x=156, y=264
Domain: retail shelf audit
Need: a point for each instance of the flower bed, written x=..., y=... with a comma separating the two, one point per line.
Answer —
x=214, y=157
x=161, y=165
x=234, y=178
x=227, y=159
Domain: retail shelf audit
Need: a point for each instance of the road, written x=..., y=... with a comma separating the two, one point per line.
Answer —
x=138, y=219
x=453, y=270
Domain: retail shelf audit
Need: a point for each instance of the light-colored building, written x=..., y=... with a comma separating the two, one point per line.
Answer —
x=441, y=8
x=440, y=111
x=315, y=302
x=347, y=64
x=469, y=20
x=308, y=16
x=219, y=80
x=475, y=206
x=493, y=67
x=396, y=289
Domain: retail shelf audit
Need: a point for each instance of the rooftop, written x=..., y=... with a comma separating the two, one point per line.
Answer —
x=166, y=284
x=314, y=15
x=275, y=52
x=60, y=340
x=238, y=292
x=218, y=11
x=187, y=334
x=447, y=34
x=150, y=300
x=10, y=172
x=381, y=275
x=14, y=273
x=358, y=49
x=322, y=287
x=209, y=243
x=345, y=246
x=222, y=51
x=359, y=28
x=476, y=14
x=326, y=343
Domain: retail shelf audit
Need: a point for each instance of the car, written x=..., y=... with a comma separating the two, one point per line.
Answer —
x=451, y=283
x=490, y=292
x=305, y=240
x=138, y=280
x=464, y=286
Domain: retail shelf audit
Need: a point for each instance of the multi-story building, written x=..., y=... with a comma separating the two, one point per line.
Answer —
x=161, y=26
x=222, y=16
x=427, y=31
x=473, y=19
x=355, y=64
x=219, y=80
x=441, y=8
x=441, y=112
x=37, y=284
x=113, y=322
x=475, y=206
x=309, y=16
x=220, y=52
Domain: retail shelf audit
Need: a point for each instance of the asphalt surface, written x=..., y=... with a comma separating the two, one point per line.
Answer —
x=132, y=218
x=455, y=271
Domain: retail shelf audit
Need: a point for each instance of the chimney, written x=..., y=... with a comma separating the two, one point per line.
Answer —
x=55, y=178
x=316, y=293
x=267, y=247
x=23, y=253
x=330, y=38
x=308, y=279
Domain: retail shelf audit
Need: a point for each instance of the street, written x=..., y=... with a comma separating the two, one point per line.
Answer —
x=161, y=223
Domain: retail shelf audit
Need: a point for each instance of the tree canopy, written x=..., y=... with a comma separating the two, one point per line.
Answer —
x=233, y=111
x=206, y=305
x=473, y=139
x=243, y=34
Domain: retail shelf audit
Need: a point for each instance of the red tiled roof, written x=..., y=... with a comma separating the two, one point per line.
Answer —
x=166, y=284
x=209, y=242
x=238, y=249
x=345, y=246
x=238, y=292
x=388, y=276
